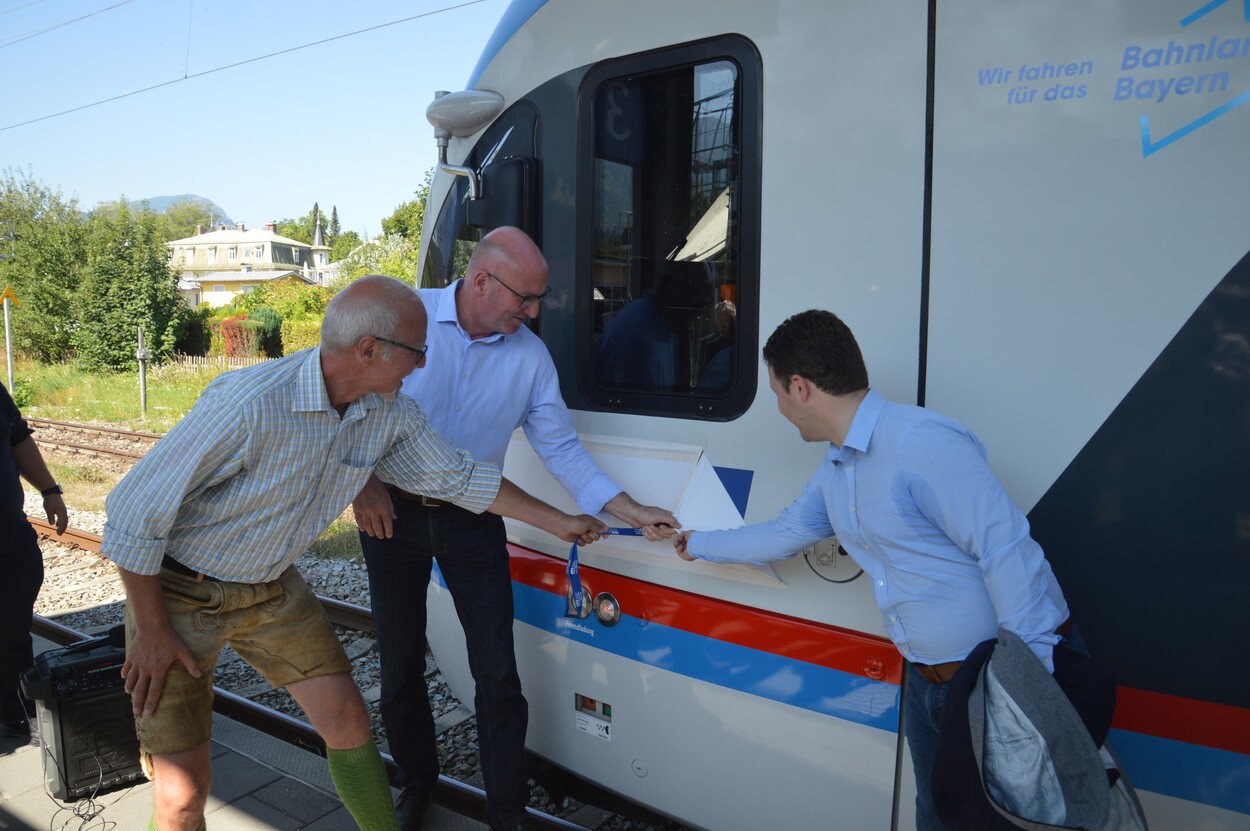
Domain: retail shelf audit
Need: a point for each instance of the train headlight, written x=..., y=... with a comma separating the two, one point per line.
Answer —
x=607, y=609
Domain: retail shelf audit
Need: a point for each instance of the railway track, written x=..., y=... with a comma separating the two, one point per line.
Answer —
x=125, y=446
x=340, y=612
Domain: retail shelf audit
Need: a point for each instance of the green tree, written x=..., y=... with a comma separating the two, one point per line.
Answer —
x=298, y=229
x=43, y=240
x=393, y=255
x=406, y=219
x=344, y=244
x=128, y=284
x=182, y=216
x=332, y=232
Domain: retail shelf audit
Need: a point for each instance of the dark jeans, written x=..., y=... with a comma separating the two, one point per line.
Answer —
x=922, y=721
x=473, y=558
x=21, y=563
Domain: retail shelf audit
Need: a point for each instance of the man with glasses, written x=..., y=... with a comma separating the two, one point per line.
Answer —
x=206, y=528
x=487, y=375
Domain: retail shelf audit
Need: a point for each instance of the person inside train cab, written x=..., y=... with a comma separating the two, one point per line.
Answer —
x=910, y=496
x=647, y=345
x=21, y=558
x=206, y=528
x=487, y=374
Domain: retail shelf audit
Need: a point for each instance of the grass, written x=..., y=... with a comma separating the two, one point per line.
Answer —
x=86, y=484
x=340, y=541
x=63, y=393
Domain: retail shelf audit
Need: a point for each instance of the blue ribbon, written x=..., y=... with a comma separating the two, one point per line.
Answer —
x=575, y=579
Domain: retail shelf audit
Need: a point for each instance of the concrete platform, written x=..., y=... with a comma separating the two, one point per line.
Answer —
x=259, y=783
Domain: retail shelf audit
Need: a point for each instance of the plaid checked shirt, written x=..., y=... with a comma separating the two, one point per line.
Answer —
x=263, y=464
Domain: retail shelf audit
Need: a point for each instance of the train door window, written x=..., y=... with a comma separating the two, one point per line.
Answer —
x=669, y=277
x=452, y=239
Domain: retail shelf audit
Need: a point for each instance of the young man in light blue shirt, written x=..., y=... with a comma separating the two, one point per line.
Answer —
x=911, y=498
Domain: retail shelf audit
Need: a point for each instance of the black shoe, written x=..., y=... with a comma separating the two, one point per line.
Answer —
x=410, y=808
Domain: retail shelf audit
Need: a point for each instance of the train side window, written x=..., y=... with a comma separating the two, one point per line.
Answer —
x=668, y=278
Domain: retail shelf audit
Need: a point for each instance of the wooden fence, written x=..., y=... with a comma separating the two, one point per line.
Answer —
x=218, y=361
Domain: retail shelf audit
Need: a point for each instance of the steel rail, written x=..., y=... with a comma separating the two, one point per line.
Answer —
x=350, y=615
x=91, y=428
x=128, y=455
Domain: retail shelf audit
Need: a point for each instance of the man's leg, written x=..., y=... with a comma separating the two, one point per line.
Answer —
x=474, y=563
x=399, y=575
x=180, y=788
x=922, y=721
x=337, y=711
x=23, y=574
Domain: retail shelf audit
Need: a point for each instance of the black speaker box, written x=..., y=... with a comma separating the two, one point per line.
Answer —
x=85, y=724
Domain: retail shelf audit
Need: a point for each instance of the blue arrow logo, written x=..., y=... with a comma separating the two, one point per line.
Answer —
x=1148, y=147
x=1210, y=7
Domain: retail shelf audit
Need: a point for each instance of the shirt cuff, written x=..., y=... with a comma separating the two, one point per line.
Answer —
x=135, y=554
x=598, y=492
x=481, y=489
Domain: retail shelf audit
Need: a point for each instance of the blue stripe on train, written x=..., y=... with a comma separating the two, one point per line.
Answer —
x=763, y=674
x=1186, y=771
x=820, y=689
x=1205, y=775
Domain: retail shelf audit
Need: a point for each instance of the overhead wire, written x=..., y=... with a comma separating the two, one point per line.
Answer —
x=27, y=36
x=187, y=77
x=22, y=6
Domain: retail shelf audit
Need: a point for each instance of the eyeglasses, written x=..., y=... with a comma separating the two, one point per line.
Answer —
x=420, y=353
x=527, y=300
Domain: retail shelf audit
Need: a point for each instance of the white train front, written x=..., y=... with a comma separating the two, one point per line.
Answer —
x=1033, y=216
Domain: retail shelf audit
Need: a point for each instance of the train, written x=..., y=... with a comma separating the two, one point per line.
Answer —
x=1036, y=219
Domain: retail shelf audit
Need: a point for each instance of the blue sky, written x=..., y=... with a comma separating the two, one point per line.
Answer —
x=341, y=123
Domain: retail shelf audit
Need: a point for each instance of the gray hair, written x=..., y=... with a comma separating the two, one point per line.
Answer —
x=373, y=305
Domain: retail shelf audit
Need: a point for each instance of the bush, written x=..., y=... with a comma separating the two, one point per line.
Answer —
x=268, y=325
x=23, y=393
x=300, y=334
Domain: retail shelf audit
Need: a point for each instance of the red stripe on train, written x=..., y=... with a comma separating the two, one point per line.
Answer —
x=1183, y=719
x=790, y=637
x=1138, y=711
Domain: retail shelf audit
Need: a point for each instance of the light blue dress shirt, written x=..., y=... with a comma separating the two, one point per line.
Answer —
x=914, y=502
x=263, y=463
x=477, y=392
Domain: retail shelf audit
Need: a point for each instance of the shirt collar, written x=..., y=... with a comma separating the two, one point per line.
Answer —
x=310, y=390
x=865, y=422
x=446, y=312
x=310, y=386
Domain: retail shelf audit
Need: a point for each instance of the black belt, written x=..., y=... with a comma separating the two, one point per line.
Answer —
x=178, y=568
x=420, y=499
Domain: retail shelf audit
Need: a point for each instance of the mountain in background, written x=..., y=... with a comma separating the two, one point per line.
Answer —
x=160, y=203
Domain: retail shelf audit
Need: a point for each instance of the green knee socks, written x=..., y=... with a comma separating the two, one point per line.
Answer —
x=360, y=777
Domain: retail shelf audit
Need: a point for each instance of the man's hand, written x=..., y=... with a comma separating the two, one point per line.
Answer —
x=374, y=511
x=149, y=656
x=155, y=645
x=681, y=543
x=582, y=529
x=58, y=514
x=657, y=524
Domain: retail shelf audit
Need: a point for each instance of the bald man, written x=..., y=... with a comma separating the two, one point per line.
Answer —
x=488, y=374
x=205, y=531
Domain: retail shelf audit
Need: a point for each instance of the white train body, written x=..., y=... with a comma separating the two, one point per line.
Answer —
x=1035, y=218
